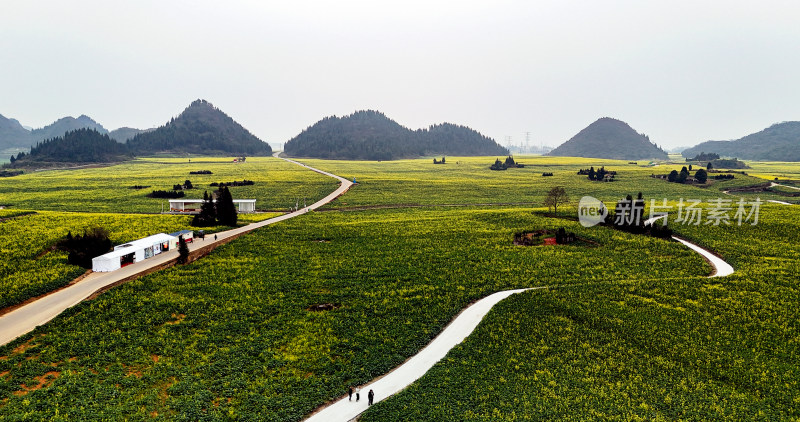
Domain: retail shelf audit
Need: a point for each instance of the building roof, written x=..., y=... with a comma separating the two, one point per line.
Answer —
x=198, y=201
x=136, y=245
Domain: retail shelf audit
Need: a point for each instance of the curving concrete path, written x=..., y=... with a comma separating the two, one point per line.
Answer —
x=27, y=317
x=458, y=330
x=721, y=268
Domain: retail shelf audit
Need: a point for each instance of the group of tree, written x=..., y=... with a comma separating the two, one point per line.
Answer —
x=703, y=156
x=219, y=211
x=201, y=172
x=81, y=249
x=168, y=194
x=187, y=184
x=507, y=164
x=601, y=175
x=77, y=146
x=244, y=182
x=700, y=176
x=442, y=161
x=370, y=135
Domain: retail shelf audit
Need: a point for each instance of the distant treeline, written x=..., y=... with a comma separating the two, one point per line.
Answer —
x=77, y=146
x=234, y=183
x=171, y=194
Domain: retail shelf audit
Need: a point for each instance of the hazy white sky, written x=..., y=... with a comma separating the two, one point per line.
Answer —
x=680, y=71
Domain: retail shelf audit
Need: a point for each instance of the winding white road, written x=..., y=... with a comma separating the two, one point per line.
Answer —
x=458, y=330
x=29, y=316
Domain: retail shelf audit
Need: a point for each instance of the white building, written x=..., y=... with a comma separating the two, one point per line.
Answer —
x=192, y=206
x=135, y=251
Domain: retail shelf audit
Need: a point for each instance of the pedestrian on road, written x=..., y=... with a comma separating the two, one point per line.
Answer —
x=350, y=393
x=370, y=396
x=358, y=394
x=215, y=237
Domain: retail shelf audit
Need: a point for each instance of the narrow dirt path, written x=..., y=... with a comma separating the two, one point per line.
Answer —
x=462, y=326
x=26, y=318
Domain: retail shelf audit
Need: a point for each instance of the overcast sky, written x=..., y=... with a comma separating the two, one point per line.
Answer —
x=680, y=71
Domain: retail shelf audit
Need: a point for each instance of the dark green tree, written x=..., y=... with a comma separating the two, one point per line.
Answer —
x=208, y=213
x=673, y=176
x=709, y=166
x=82, y=248
x=226, y=210
x=683, y=175
x=701, y=176
x=183, y=250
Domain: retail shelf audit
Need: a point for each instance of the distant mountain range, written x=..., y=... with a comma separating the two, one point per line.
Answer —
x=370, y=135
x=14, y=136
x=610, y=138
x=200, y=129
x=779, y=142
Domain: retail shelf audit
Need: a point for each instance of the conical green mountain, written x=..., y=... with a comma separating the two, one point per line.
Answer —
x=370, y=135
x=610, y=138
x=200, y=129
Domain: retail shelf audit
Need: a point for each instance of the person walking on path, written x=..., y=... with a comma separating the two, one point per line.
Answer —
x=370, y=396
x=350, y=393
x=358, y=393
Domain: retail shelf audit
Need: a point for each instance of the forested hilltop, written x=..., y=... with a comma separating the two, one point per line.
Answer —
x=779, y=142
x=610, y=138
x=76, y=146
x=200, y=129
x=370, y=135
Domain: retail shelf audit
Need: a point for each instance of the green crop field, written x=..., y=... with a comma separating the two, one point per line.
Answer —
x=468, y=180
x=635, y=349
x=231, y=335
x=631, y=328
x=29, y=266
x=278, y=185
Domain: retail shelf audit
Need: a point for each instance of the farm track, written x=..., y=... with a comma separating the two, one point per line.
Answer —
x=23, y=319
x=459, y=329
